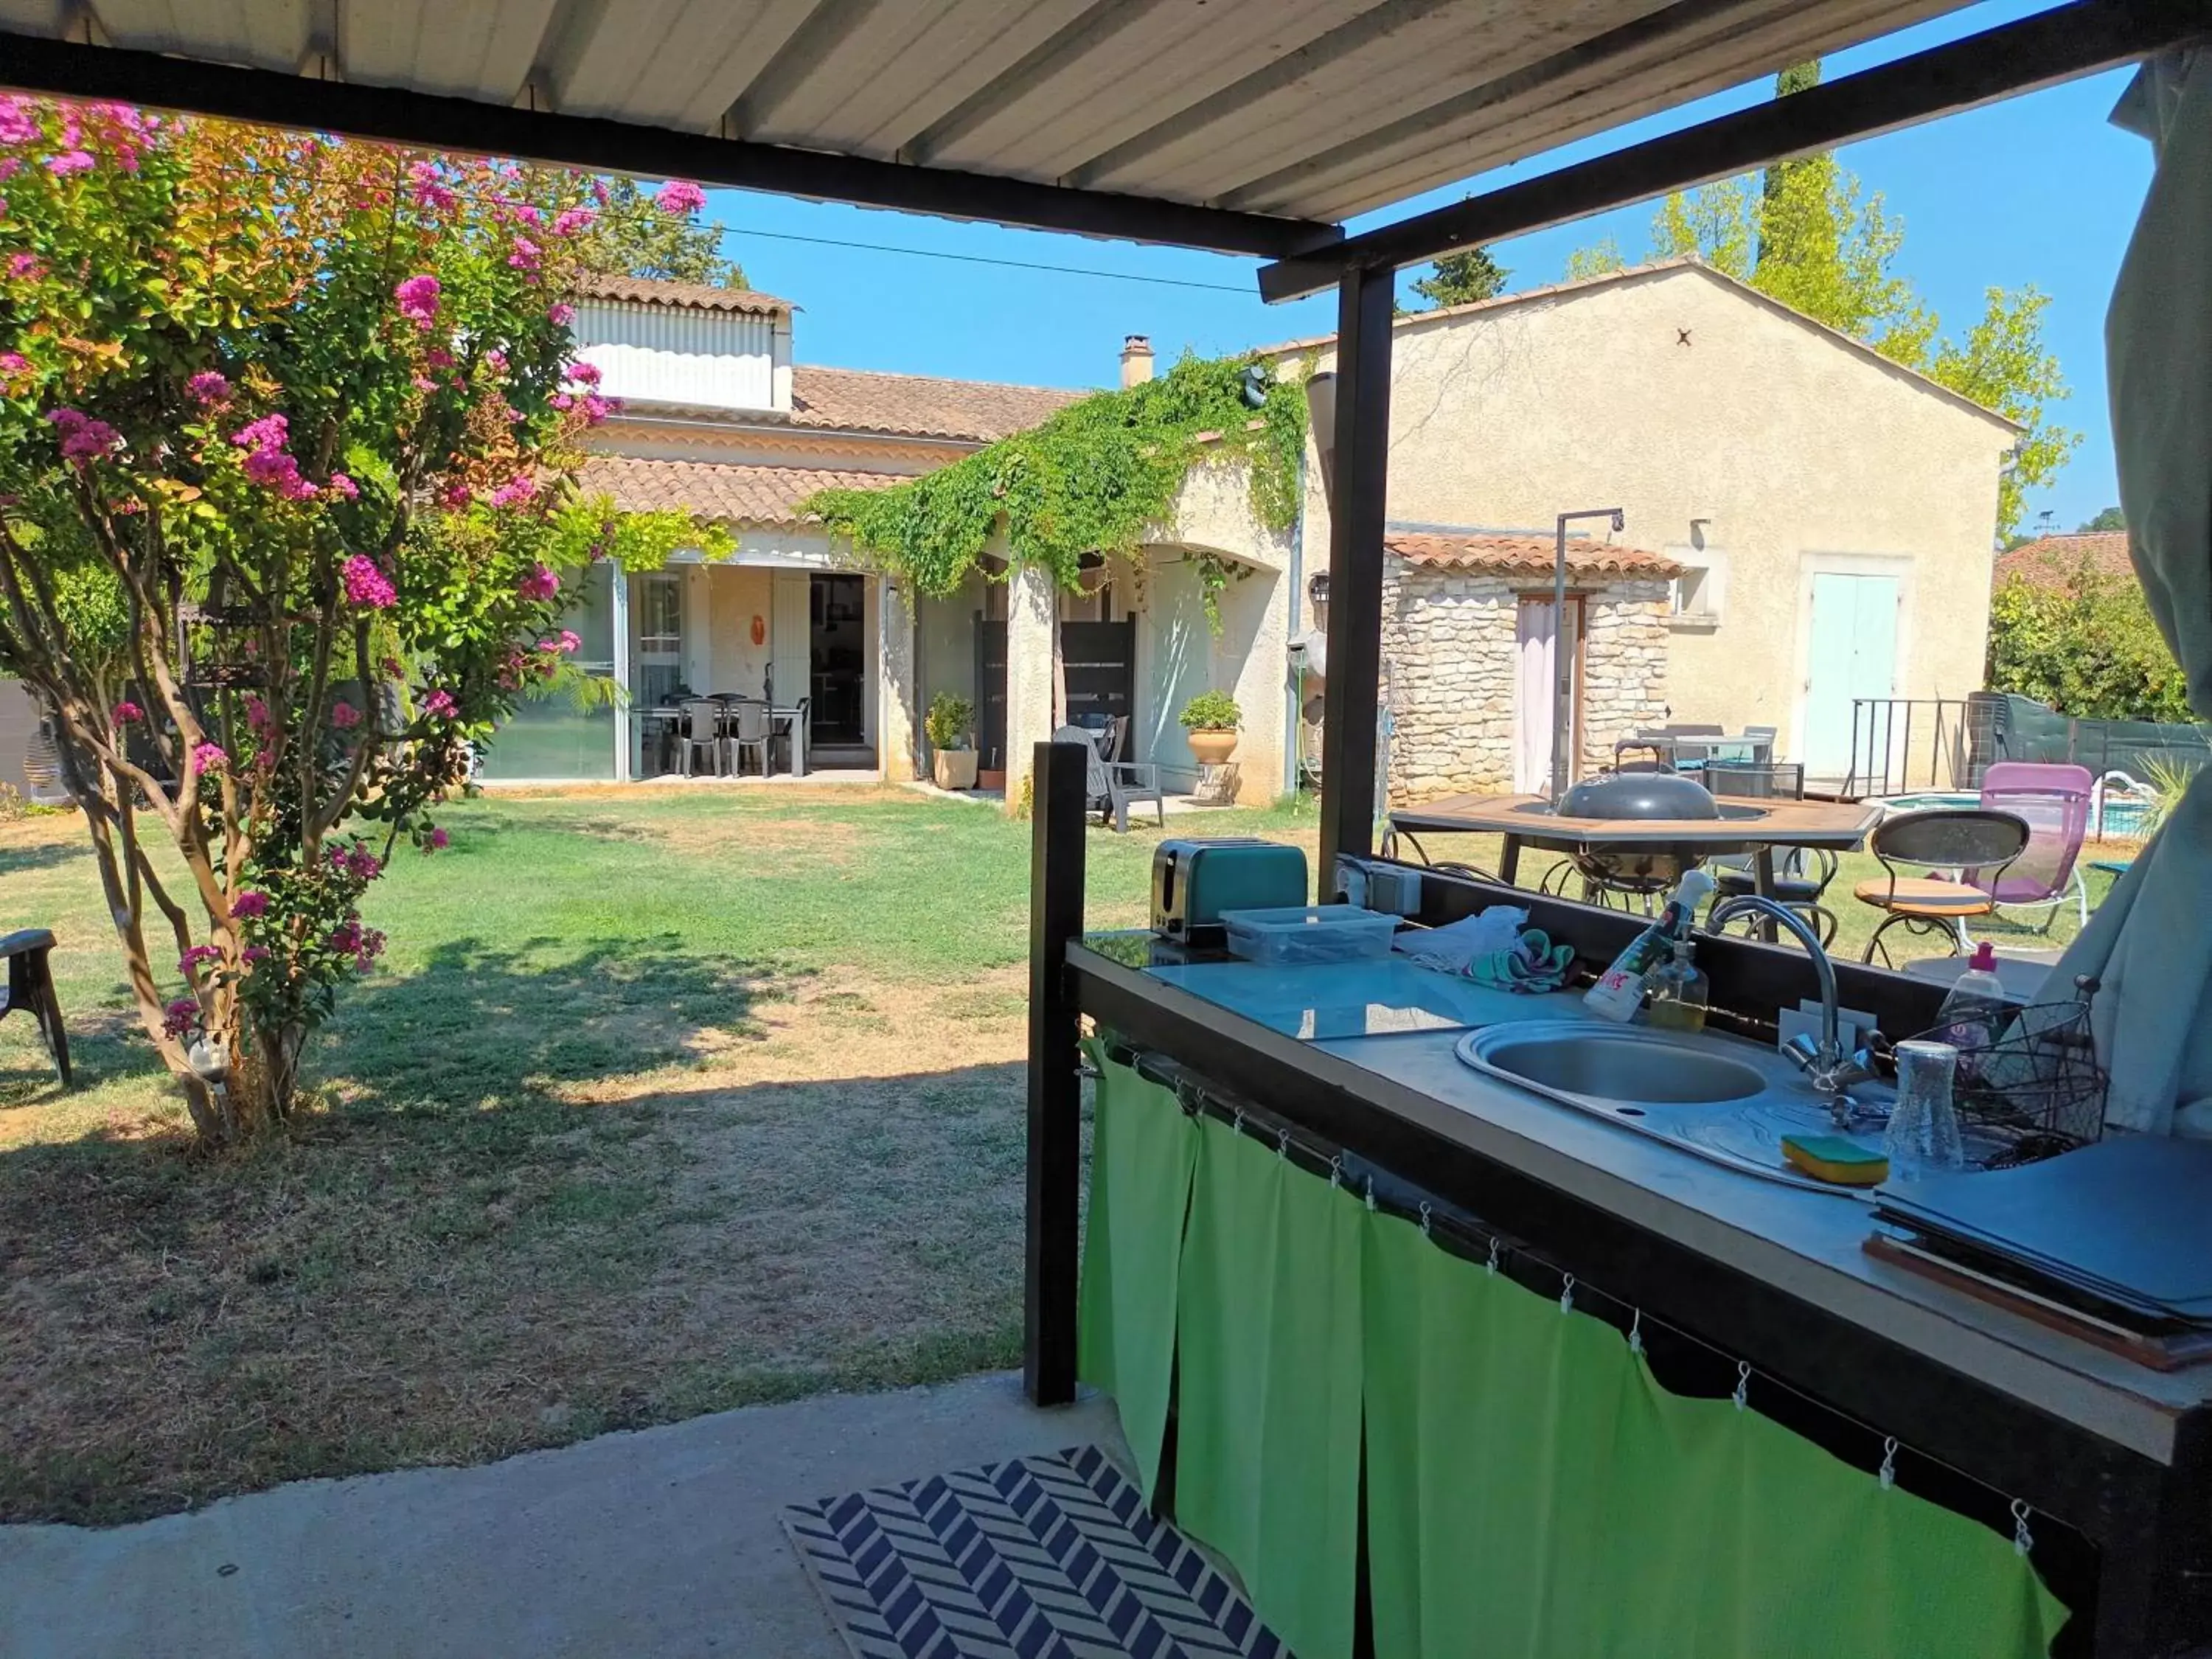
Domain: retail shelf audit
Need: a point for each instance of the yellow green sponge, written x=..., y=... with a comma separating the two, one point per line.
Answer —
x=1831, y=1158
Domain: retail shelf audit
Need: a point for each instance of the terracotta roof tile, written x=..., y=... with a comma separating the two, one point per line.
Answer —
x=917, y=406
x=718, y=490
x=697, y=296
x=1491, y=555
x=2052, y=561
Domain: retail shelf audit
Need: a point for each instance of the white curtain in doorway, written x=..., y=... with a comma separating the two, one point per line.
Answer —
x=1534, y=693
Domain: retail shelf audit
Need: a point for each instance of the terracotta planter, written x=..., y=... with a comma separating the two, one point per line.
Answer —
x=1212, y=748
x=955, y=769
x=987, y=778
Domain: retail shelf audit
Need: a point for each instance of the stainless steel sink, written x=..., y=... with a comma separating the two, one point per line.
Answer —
x=1716, y=1097
x=1617, y=1064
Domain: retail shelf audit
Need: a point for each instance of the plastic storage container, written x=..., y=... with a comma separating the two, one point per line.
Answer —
x=1311, y=932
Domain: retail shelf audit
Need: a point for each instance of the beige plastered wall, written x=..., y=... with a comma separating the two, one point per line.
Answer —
x=1732, y=434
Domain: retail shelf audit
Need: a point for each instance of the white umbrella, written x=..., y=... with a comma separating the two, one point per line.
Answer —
x=2150, y=947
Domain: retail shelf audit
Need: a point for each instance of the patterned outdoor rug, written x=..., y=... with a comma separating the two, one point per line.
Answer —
x=1044, y=1557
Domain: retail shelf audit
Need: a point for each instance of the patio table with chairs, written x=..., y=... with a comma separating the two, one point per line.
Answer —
x=728, y=729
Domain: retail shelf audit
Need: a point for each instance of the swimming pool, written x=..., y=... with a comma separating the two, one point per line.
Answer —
x=2125, y=818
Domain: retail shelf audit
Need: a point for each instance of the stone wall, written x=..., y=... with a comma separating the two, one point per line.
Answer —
x=1447, y=648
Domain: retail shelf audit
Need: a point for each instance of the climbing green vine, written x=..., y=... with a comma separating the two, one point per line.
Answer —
x=1091, y=479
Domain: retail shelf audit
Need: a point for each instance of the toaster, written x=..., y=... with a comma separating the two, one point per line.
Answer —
x=1194, y=880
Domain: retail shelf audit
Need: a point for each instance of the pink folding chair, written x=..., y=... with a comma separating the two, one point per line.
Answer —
x=2054, y=800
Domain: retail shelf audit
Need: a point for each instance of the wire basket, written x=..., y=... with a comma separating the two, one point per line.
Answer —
x=2028, y=1085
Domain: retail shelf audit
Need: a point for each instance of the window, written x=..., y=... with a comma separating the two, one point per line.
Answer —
x=1698, y=592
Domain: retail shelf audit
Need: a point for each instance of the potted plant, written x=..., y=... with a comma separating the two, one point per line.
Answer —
x=1211, y=719
x=951, y=759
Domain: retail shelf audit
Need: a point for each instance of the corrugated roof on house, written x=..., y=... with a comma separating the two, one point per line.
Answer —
x=697, y=296
x=2051, y=561
x=1514, y=555
x=720, y=490
x=919, y=405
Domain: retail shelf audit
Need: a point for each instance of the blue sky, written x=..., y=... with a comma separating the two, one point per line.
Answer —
x=2038, y=189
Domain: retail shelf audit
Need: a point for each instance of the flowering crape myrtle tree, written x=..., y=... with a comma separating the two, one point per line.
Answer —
x=288, y=437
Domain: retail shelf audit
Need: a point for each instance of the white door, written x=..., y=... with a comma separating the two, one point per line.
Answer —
x=1852, y=655
x=1535, y=693
x=791, y=637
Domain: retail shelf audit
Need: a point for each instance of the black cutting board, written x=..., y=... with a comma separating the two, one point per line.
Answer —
x=2131, y=1218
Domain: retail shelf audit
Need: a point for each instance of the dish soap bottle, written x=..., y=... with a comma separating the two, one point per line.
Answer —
x=1972, y=1011
x=1619, y=992
x=1680, y=993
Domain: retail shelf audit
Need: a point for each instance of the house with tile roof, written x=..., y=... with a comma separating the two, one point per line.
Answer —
x=718, y=420
x=2054, y=561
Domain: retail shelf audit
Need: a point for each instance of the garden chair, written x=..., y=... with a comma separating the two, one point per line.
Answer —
x=702, y=729
x=751, y=732
x=1802, y=874
x=2055, y=802
x=31, y=987
x=1966, y=842
x=1113, y=787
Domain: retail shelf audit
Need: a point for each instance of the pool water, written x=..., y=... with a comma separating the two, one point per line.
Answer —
x=2124, y=819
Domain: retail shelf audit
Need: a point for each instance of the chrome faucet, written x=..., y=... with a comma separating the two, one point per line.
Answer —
x=1824, y=1064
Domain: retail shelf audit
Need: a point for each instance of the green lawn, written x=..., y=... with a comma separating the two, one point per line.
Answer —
x=664, y=1101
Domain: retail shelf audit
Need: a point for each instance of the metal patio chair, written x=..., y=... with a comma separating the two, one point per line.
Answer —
x=702, y=729
x=1967, y=842
x=2054, y=801
x=1115, y=786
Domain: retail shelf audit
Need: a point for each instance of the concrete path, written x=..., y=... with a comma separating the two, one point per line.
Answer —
x=664, y=1542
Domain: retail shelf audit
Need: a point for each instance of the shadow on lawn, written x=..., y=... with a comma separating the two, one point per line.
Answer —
x=43, y=855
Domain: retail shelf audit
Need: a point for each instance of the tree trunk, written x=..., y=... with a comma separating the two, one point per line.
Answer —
x=264, y=1071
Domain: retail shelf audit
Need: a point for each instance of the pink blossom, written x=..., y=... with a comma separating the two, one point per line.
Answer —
x=209, y=758
x=17, y=124
x=26, y=267
x=438, y=357
x=540, y=584
x=365, y=584
x=253, y=953
x=570, y=221
x=524, y=213
x=69, y=161
x=561, y=314
x=525, y=254
x=250, y=903
x=599, y=191
x=583, y=373
x=425, y=384
x=430, y=190
x=597, y=409
x=127, y=713
x=346, y=936
x=83, y=439
x=562, y=401
x=279, y=470
x=196, y=955
x=515, y=492
x=571, y=641
x=345, y=715
x=180, y=1015
x=207, y=388
x=372, y=947
x=418, y=299
x=680, y=196
x=439, y=705
x=343, y=486
x=9, y=167
x=269, y=432
x=438, y=839
x=455, y=496
x=257, y=713
x=496, y=360
x=13, y=365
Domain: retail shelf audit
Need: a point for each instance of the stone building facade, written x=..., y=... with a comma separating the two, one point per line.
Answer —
x=1452, y=639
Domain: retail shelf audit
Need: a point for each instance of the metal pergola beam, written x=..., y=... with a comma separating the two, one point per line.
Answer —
x=394, y=115
x=2055, y=46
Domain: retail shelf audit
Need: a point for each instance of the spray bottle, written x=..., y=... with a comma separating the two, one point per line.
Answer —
x=1619, y=989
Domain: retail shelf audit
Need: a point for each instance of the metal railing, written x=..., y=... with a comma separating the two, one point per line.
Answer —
x=1900, y=744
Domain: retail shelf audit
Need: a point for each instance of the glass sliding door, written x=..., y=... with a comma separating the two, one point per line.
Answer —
x=548, y=738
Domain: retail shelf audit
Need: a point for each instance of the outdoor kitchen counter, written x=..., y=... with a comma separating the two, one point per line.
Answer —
x=1379, y=1095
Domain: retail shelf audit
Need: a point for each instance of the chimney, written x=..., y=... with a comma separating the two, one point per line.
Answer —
x=1136, y=360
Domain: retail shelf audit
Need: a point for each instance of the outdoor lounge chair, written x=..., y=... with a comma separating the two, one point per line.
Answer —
x=2055, y=802
x=1113, y=786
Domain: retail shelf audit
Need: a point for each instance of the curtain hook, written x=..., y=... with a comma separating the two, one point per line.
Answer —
x=1336, y=1171
x=1424, y=1219
x=1493, y=1252
x=2022, y=1540
x=1282, y=1143
x=1567, y=1295
x=1370, y=1193
x=1636, y=1332
x=1889, y=1470
x=1237, y=1124
x=1743, y=1396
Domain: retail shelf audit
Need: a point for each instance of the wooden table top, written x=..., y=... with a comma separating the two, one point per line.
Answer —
x=1780, y=823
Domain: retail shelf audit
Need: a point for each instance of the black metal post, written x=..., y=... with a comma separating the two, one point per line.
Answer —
x=1357, y=510
x=1055, y=1088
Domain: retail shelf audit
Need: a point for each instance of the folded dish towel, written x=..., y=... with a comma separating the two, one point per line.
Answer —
x=1533, y=964
x=1449, y=949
